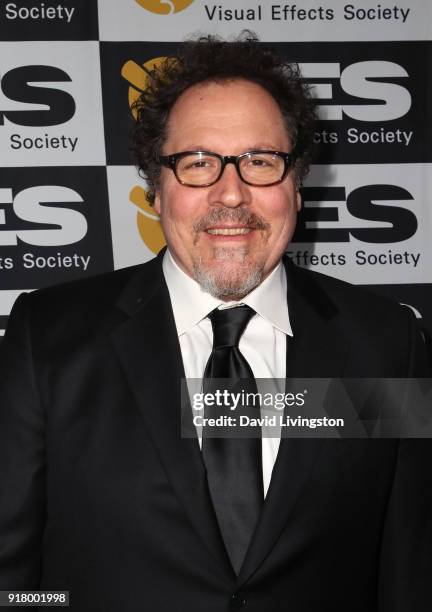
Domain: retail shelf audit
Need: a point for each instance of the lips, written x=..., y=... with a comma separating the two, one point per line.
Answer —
x=230, y=222
x=229, y=231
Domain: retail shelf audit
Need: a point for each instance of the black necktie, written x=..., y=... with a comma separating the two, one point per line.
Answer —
x=234, y=465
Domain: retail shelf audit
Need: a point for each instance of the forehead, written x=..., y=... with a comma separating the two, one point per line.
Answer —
x=226, y=114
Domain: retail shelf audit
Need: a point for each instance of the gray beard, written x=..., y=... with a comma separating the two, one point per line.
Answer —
x=223, y=285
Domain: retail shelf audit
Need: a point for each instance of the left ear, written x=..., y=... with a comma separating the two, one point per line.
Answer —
x=156, y=203
x=298, y=201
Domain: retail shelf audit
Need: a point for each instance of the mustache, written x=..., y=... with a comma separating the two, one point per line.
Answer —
x=241, y=216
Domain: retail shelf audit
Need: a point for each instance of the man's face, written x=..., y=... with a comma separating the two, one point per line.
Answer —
x=227, y=118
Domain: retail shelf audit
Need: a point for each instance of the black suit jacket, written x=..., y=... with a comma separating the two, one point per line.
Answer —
x=100, y=495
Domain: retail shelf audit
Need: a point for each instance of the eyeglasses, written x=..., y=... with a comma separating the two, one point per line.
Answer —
x=202, y=168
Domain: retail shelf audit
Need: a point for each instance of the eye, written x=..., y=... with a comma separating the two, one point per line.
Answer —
x=197, y=162
x=259, y=162
x=201, y=163
x=262, y=162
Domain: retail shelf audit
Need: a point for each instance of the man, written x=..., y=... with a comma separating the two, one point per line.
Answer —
x=100, y=495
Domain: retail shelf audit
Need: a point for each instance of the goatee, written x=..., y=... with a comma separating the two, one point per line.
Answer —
x=232, y=280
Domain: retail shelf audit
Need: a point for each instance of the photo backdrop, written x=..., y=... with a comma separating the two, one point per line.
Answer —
x=72, y=204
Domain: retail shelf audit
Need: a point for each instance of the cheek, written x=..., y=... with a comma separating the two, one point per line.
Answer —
x=283, y=220
x=282, y=211
x=179, y=211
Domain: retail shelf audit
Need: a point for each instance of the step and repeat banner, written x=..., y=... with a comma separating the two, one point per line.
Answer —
x=72, y=204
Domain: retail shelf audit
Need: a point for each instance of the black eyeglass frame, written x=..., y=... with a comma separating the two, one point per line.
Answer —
x=170, y=161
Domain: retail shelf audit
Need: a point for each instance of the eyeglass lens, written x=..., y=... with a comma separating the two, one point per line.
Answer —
x=257, y=168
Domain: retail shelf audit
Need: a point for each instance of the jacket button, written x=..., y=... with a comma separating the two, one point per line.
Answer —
x=238, y=601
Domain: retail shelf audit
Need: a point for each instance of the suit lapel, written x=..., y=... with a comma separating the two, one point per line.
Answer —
x=148, y=348
x=318, y=350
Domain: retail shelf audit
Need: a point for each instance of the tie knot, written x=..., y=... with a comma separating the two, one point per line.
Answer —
x=228, y=324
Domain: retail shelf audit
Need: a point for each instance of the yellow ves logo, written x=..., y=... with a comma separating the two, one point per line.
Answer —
x=148, y=223
x=164, y=7
x=137, y=76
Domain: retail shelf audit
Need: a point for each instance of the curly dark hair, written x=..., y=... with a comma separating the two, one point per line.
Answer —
x=210, y=58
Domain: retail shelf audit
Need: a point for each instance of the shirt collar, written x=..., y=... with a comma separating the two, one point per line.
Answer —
x=191, y=304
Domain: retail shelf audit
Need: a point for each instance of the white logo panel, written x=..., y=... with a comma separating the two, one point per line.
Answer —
x=272, y=21
x=367, y=224
x=51, y=104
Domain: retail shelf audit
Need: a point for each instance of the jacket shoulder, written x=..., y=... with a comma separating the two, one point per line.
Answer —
x=81, y=309
x=350, y=301
x=100, y=290
x=383, y=335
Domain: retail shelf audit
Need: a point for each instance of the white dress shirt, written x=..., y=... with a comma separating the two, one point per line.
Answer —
x=263, y=342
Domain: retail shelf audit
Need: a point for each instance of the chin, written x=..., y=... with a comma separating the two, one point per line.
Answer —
x=231, y=281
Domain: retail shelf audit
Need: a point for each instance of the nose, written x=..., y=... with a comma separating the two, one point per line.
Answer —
x=230, y=190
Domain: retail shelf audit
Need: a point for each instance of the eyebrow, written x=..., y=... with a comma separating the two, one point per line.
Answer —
x=256, y=147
